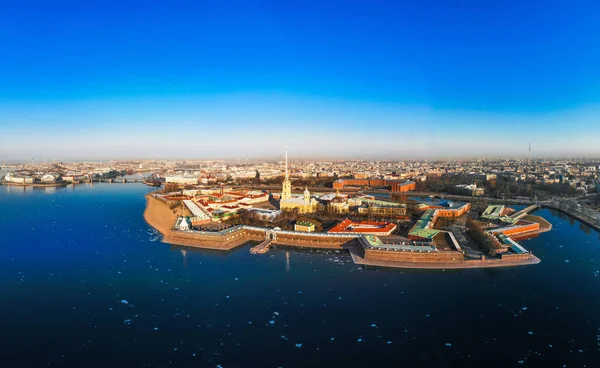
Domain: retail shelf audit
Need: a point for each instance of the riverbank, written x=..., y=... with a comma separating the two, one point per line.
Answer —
x=359, y=259
x=35, y=185
x=574, y=215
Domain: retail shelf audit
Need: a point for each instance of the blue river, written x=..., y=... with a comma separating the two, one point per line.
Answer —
x=85, y=282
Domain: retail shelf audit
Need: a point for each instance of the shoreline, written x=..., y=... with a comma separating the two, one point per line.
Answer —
x=465, y=264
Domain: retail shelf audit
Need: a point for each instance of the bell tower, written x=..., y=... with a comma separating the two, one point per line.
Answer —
x=286, y=191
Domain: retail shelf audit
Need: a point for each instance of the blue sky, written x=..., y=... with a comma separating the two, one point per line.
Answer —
x=212, y=79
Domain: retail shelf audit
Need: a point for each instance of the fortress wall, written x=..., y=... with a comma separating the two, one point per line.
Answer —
x=426, y=257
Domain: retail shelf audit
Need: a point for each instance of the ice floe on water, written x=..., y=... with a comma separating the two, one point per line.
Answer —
x=124, y=301
x=299, y=345
x=448, y=344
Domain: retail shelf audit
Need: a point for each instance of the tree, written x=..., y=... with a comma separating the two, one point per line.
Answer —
x=257, y=178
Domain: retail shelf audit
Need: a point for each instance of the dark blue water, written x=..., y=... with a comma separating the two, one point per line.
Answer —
x=84, y=282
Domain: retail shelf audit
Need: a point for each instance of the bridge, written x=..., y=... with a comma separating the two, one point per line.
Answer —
x=115, y=180
x=525, y=211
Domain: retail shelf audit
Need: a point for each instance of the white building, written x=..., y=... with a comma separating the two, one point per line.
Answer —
x=48, y=178
x=181, y=179
x=11, y=178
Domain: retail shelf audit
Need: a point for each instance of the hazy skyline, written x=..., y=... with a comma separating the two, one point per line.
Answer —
x=231, y=79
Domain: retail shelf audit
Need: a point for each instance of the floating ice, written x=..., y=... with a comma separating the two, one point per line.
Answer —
x=271, y=322
x=530, y=332
x=448, y=344
x=276, y=313
x=359, y=340
x=155, y=328
x=299, y=345
x=567, y=261
x=550, y=346
x=524, y=308
x=124, y=301
x=332, y=339
x=373, y=325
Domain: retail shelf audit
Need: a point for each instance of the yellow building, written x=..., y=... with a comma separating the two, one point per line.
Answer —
x=306, y=204
x=305, y=226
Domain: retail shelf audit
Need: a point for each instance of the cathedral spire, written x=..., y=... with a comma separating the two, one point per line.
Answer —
x=286, y=164
x=286, y=190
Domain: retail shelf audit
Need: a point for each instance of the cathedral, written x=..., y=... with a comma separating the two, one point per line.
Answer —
x=305, y=204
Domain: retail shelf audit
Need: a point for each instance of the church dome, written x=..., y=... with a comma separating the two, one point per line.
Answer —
x=338, y=199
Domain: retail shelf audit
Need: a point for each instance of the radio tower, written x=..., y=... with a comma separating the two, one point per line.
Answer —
x=529, y=158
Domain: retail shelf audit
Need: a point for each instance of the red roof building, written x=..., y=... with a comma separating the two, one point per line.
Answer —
x=363, y=227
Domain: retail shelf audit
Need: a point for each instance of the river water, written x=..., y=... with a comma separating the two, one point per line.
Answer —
x=86, y=282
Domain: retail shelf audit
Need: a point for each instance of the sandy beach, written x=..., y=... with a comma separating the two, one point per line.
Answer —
x=159, y=216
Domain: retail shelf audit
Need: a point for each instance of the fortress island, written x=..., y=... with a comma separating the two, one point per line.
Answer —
x=432, y=233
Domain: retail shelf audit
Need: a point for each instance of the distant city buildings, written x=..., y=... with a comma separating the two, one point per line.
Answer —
x=469, y=190
x=397, y=186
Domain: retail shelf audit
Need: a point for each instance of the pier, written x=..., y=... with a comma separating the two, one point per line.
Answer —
x=262, y=248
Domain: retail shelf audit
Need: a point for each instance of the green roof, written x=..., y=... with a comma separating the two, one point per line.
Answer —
x=373, y=240
x=492, y=212
x=421, y=230
x=382, y=203
x=305, y=223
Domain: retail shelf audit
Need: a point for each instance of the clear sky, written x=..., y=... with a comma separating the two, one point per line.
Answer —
x=221, y=79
